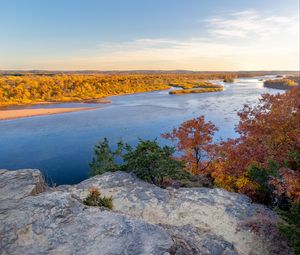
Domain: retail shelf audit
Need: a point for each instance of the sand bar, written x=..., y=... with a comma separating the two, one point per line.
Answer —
x=22, y=113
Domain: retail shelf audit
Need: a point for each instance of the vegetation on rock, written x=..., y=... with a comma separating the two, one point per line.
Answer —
x=104, y=159
x=148, y=161
x=290, y=227
x=95, y=199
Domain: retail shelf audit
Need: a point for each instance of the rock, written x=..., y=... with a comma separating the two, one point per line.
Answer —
x=189, y=240
x=36, y=219
x=21, y=184
x=56, y=223
x=196, y=181
x=217, y=211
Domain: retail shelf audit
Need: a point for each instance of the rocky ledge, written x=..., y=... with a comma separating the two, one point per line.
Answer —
x=37, y=219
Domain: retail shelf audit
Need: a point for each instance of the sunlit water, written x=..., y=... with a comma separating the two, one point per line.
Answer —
x=62, y=145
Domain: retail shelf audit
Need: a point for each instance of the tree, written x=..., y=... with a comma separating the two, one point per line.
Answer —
x=194, y=139
x=153, y=163
x=148, y=161
x=104, y=159
x=268, y=131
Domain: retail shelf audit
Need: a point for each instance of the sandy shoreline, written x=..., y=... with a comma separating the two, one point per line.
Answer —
x=23, y=113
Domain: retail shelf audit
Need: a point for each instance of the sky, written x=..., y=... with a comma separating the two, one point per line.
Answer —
x=200, y=35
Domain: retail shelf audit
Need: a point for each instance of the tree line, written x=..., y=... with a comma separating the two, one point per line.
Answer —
x=37, y=87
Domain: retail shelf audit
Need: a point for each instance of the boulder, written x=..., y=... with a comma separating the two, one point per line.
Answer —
x=217, y=211
x=145, y=219
x=54, y=222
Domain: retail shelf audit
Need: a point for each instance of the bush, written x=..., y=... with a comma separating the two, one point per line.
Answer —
x=260, y=176
x=104, y=159
x=153, y=163
x=95, y=199
x=290, y=228
x=265, y=226
x=148, y=161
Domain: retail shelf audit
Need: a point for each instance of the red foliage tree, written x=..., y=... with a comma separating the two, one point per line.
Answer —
x=193, y=140
x=268, y=131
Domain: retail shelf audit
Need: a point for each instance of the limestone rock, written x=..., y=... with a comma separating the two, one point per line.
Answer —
x=215, y=210
x=17, y=185
x=146, y=219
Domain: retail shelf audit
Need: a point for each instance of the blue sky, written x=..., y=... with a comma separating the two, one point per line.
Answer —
x=149, y=34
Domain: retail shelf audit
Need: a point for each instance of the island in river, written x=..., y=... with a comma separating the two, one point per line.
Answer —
x=283, y=83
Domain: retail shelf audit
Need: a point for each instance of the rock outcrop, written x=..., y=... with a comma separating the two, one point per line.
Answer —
x=145, y=219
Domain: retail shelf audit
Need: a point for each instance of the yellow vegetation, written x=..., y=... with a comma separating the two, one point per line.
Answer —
x=36, y=88
x=195, y=87
x=281, y=83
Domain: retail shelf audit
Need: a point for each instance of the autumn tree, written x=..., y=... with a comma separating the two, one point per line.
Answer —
x=268, y=131
x=193, y=140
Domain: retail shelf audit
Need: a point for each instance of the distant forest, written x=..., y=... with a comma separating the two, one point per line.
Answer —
x=30, y=87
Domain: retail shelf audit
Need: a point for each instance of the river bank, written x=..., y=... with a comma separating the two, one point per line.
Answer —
x=23, y=113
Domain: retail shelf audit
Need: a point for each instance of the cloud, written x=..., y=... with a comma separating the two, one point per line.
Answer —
x=249, y=24
x=243, y=40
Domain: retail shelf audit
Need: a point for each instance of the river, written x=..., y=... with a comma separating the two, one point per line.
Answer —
x=62, y=145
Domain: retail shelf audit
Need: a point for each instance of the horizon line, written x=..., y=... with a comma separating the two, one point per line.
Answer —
x=144, y=70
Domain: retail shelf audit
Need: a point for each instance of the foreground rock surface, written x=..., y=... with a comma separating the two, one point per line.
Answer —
x=36, y=219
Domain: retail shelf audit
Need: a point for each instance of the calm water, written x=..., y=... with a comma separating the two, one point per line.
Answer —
x=61, y=145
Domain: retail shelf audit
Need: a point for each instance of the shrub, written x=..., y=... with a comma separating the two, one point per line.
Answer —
x=266, y=227
x=290, y=228
x=104, y=159
x=153, y=163
x=148, y=161
x=94, y=199
x=260, y=176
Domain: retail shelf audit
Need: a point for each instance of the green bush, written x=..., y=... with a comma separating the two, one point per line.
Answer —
x=104, y=159
x=94, y=199
x=288, y=211
x=261, y=176
x=153, y=163
x=148, y=161
x=290, y=228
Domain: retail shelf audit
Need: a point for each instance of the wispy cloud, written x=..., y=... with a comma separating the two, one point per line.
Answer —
x=242, y=40
x=249, y=24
